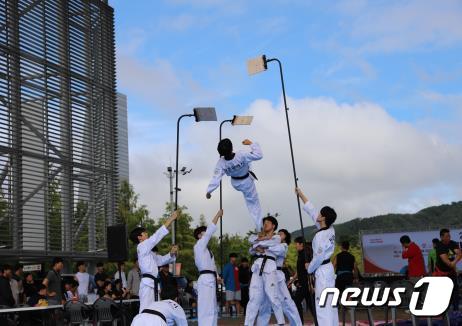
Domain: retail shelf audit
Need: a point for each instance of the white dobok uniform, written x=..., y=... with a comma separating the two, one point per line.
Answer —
x=171, y=311
x=148, y=265
x=264, y=282
x=288, y=305
x=238, y=167
x=207, y=312
x=323, y=249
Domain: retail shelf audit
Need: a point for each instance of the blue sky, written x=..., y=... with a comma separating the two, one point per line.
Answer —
x=400, y=56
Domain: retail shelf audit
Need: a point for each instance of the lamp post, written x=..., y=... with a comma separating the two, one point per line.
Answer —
x=235, y=121
x=260, y=64
x=200, y=114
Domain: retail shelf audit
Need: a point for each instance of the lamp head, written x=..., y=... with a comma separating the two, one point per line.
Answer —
x=242, y=120
x=205, y=114
x=256, y=65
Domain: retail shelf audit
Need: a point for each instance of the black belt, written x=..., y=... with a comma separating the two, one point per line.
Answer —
x=156, y=282
x=325, y=261
x=155, y=312
x=245, y=176
x=265, y=258
x=206, y=271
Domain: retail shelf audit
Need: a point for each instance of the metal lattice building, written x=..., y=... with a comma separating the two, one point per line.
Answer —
x=58, y=128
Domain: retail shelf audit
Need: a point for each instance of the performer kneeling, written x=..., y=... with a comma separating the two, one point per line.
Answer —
x=237, y=166
x=288, y=305
x=207, y=313
x=323, y=249
x=149, y=290
x=161, y=313
x=264, y=283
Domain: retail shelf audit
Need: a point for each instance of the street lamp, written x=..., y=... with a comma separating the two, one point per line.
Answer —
x=255, y=66
x=237, y=120
x=200, y=114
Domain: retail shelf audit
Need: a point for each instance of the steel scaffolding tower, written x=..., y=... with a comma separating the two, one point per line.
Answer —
x=58, y=128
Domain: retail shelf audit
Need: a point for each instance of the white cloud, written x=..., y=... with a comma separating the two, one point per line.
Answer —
x=356, y=158
x=398, y=26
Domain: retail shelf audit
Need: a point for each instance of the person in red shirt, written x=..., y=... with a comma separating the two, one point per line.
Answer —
x=413, y=254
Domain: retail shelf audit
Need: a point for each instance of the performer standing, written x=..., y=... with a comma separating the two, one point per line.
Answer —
x=148, y=264
x=161, y=313
x=288, y=305
x=207, y=313
x=323, y=249
x=264, y=282
x=237, y=166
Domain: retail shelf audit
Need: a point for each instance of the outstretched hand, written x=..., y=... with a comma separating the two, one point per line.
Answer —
x=246, y=142
x=217, y=216
x=172, y=218
x=300, y=194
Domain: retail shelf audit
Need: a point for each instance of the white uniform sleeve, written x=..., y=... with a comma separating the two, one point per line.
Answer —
x=255, y=154
x=312, y=212
x=165, y=259
x=320, y=246
x=203, y=242
x=145, y=247
x=179, y=316
x=278, y=250
x=217, y=175
x=274, y=241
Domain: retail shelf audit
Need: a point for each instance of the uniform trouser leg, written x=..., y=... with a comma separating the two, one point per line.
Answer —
x=270, y=283
x=146, y=295
x=327, y=315
x=288, y=305
x=207, y=313
x=249, y=191
x=256, y=297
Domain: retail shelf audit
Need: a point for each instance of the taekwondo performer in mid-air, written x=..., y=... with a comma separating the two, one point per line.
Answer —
x=323, y=249
x=264, y=283
x=288, y=305
x=237, y=166
x=207, y=313
x=161, y=313
x=149, y=290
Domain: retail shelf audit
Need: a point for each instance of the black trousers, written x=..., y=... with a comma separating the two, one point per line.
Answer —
x=343, y=281
x=301, y=294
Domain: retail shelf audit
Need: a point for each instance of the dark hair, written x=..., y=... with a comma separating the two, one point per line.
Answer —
x=80, y=263
x=18, y=267
x=272, y=220
x=244, y=260
x=198, y=231
x=345, y=245
x=232, y=255
x=120, y=263
x=329, y=214
x=106, y=283
x=117, y=281
x=225, y=147
x=435, y=241
x=135, y=259
x=443, y=232
x=57, y=260
x=155, y=249
x=136, y=232
x=288, y=238
x=41, y=287
x=405, y=239
x=74, y=283
x=299, y=239
x=99, y=264
x=7, y=267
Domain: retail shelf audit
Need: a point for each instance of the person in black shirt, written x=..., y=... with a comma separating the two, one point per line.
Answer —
x=244, y=280
x=169, y=286
x=448, y=254
x=345, y=267
x=6, y=296
x=39, y=298
x=29, y=285
x=302, y=292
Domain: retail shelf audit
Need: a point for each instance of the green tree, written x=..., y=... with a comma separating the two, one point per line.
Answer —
x=54, y=216
x=80, y=226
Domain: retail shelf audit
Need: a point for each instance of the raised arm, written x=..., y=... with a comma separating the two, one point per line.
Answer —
x=255, y=153
x=203, y=242
x=308, y=207
x=146, y=246
x=215, y=182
